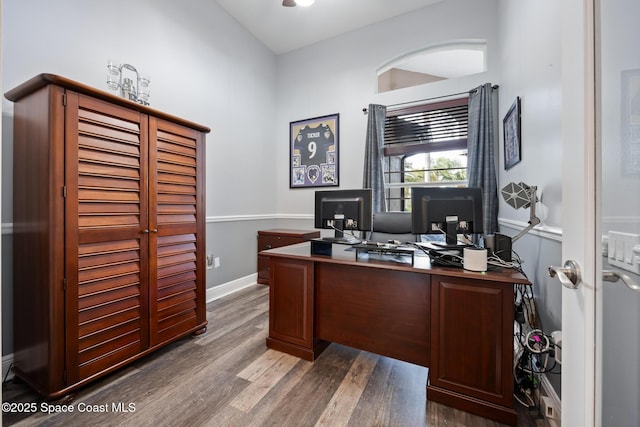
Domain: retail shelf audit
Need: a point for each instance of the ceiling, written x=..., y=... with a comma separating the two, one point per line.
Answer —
x=283, y=29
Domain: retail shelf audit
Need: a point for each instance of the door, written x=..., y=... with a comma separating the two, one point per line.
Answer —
x=618, y=135
x=106, y=250
x=601, y=179
x=176, y=230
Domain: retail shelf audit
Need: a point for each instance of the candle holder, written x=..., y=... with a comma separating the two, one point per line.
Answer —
x=129, y=83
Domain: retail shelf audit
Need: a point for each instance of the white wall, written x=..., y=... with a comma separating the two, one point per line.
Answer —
x=530, y=63
x=530, y=58
x=204, y=67
x=339, y=76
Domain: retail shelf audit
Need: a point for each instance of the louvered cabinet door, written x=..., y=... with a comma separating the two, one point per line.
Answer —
x=176, y=189
x=106, y=214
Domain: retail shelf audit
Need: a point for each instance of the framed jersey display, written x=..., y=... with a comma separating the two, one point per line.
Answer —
x=313, y=148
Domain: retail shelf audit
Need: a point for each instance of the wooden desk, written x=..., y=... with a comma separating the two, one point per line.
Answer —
x=457, y=323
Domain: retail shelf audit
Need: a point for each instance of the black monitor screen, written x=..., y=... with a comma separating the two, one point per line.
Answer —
x=448, y=211
x=343, y=210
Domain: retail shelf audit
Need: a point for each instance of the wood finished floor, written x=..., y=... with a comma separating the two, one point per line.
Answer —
x=227, y=377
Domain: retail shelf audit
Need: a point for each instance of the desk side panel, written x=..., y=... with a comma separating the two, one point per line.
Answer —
x=472, y=348
x=382, y=311
x=291, y=302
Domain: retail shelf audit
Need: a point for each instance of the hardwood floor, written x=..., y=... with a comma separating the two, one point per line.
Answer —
x=227, y=377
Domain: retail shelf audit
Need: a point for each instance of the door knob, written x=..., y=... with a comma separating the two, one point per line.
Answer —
x=614, y=276
x=569, y=275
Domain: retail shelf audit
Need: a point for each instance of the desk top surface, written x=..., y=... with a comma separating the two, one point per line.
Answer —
x=343, y=254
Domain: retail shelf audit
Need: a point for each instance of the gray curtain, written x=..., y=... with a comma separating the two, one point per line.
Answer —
x=481, y=140
x=373, y=156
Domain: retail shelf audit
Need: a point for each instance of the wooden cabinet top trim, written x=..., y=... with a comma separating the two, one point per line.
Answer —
x=44, y=79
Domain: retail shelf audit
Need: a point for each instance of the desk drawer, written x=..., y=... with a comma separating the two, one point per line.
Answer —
x=271, y=241
x=276, y=238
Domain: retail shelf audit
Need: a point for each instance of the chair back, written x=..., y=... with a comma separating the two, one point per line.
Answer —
x=394, y=225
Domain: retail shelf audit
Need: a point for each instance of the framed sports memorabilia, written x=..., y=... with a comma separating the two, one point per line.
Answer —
x=313, y=152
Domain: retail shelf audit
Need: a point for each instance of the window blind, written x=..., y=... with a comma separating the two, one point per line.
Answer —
x=440, y=126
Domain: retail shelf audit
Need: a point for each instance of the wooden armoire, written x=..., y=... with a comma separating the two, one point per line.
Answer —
x=109, y=232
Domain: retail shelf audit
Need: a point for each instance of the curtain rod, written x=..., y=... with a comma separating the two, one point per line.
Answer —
x=364, y=110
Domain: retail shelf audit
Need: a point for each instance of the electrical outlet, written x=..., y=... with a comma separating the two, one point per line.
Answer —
x=549, y=409
x=216, y=262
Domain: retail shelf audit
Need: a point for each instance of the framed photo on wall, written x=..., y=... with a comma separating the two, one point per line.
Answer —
x=313, y=152
x=512, y=142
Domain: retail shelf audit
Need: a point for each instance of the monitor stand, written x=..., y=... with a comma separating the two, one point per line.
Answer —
x=340, y=238
x=451, y=237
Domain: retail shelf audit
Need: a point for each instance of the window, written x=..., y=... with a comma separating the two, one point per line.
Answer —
x=424, y=145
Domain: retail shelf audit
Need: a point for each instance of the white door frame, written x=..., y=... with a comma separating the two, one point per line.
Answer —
x=579, y=211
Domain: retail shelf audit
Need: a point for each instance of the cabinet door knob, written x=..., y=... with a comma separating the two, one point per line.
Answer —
x=155, y=230
x=145, y=231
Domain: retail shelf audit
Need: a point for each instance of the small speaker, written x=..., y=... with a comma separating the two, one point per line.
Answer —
x=321, y=247
x=502, y=247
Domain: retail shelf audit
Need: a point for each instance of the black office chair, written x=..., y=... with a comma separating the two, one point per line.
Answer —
x=391, y=226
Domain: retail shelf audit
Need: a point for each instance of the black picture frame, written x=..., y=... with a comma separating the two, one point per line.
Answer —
x=512, y=135
x=313, y=152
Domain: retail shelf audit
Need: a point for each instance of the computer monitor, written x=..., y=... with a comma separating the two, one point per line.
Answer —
x=446, y=210
x=341, y=210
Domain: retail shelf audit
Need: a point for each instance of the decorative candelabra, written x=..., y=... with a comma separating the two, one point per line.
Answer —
x=133, y=86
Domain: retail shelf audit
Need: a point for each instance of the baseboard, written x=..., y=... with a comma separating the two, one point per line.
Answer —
x=230, y=287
